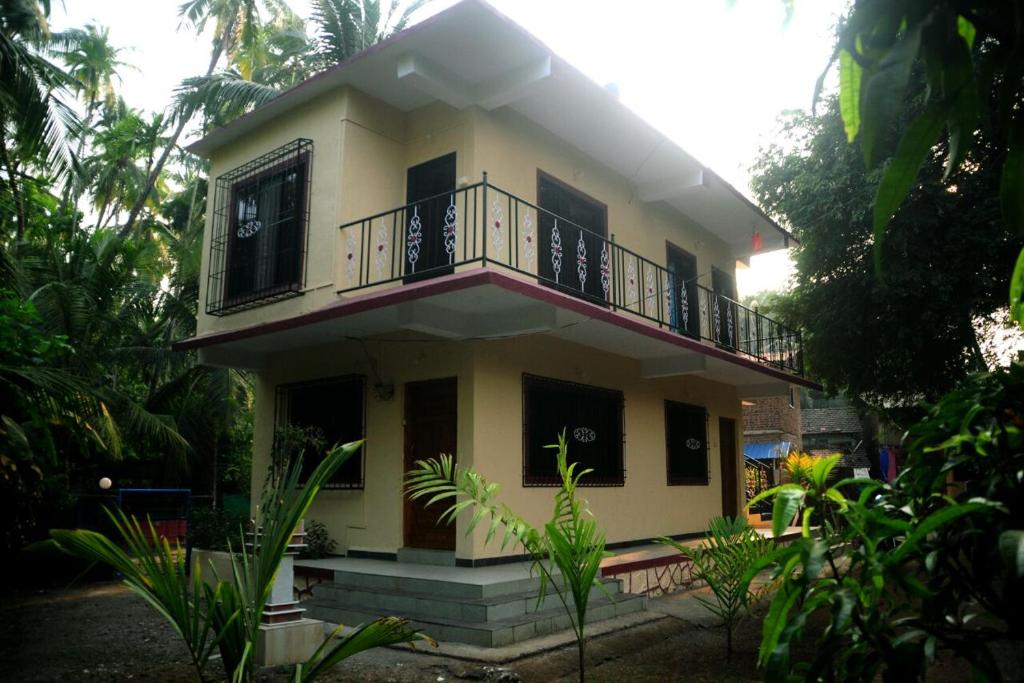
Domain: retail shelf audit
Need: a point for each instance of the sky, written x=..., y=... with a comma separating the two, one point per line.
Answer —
x=711, y=74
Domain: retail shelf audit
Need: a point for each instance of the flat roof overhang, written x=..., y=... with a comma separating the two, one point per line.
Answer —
x=485, y=304
x=472, y=55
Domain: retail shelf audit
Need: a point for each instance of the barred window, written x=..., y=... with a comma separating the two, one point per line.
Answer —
x=334, y=408
x=258, y=246
x=686, y=443
x=592, y=420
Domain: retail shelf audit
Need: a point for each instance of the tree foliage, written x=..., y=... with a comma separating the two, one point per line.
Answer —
x=947, y=257
x=101, y=228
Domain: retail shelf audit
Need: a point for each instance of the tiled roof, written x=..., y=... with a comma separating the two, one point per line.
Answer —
x=830, y=421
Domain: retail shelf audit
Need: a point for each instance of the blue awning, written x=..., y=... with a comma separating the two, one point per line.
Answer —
x=766, y=451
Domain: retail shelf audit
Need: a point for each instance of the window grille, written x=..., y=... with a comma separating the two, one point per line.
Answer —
x=592, y=420
x=335, y=410
x=686, y=443
x=260, y=222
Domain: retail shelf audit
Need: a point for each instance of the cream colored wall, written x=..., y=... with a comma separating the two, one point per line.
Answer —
x=646, y=506
x=362, y=149
x=368, y=519
x=512, y=149
x=490, y=437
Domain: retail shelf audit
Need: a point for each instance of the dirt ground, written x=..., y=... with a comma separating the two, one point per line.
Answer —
x=105, y=633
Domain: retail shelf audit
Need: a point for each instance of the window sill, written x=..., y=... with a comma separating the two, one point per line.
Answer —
x=689, y=482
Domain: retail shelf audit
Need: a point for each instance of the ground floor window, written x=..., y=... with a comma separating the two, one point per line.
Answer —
x=313, y=416
x=592, y=420
x=686, y=443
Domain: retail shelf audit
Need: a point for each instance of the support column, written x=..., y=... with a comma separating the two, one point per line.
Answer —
x=285, y=636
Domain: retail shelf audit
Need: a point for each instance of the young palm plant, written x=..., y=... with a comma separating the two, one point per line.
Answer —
x=227, y=615
x=722, y=561
x=570, y=544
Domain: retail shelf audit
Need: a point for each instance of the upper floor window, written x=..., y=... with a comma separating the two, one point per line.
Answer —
x=592, y=420
x=315, y=416
x=258, y=245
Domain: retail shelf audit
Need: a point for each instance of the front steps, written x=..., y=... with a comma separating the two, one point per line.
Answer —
x=493, y=612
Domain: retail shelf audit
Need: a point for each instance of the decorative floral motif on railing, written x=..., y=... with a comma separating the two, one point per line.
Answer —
x=729, y=325
x=631, y=283
x=556, y=251
x=581, y=261
x=415, y=239
x=350, y=256
x=605, y=270
x=497, y=216
x=451, y=230
x=649, y=282
x=684, y=307
x=382, y=249
x=529, y=245
x=716, y=326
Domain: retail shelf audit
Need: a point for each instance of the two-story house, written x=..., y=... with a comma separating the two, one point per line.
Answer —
x=455, y=242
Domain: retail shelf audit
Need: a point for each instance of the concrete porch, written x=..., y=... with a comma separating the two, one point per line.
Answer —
x=491, y=606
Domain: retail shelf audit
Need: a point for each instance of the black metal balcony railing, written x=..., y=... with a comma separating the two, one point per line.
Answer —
x=482, y=223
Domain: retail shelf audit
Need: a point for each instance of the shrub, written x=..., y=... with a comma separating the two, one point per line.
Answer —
x=905, y=570
x=216, y=528
x=723, y=559
x=227, y=616
x=318, y=543
x=571, y=542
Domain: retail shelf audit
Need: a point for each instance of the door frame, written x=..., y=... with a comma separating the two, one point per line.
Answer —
x=693, y=330
x=439, y=269
x=408, y=456
x=729, y=468
x=542, y=177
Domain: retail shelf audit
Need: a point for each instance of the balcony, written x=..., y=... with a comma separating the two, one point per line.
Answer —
x=482, y=225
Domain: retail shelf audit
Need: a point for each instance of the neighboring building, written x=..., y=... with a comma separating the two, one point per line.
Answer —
x=773, y=420
x=832, y=425
x=456, y=242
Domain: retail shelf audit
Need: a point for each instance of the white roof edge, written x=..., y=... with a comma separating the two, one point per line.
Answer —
x=335, y=77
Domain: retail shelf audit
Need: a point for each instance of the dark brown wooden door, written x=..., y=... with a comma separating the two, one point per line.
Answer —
x=727, y=449
x=430, y=428
x=428, y=193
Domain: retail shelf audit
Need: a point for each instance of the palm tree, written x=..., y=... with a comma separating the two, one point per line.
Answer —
x=124, y=145
x=258, y=74
x=34, y=119
x=235, y=27
x=347, y=27
x=93, y=62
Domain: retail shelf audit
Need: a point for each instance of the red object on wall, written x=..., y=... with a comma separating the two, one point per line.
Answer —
x=756, y=242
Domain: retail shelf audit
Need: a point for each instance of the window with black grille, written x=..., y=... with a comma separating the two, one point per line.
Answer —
x=686, y=443
x=258, y=244
x=592, y=420
x=330, y=411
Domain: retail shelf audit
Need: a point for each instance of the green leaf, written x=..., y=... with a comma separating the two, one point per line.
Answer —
x=899, y=176
x=787, y=502
x=1011, y=547
x=934, y=522
x=1017, y=291
x=822, y=468
x=966, y=30
x=849, y=93
x=961, y=93
x=883, y=90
